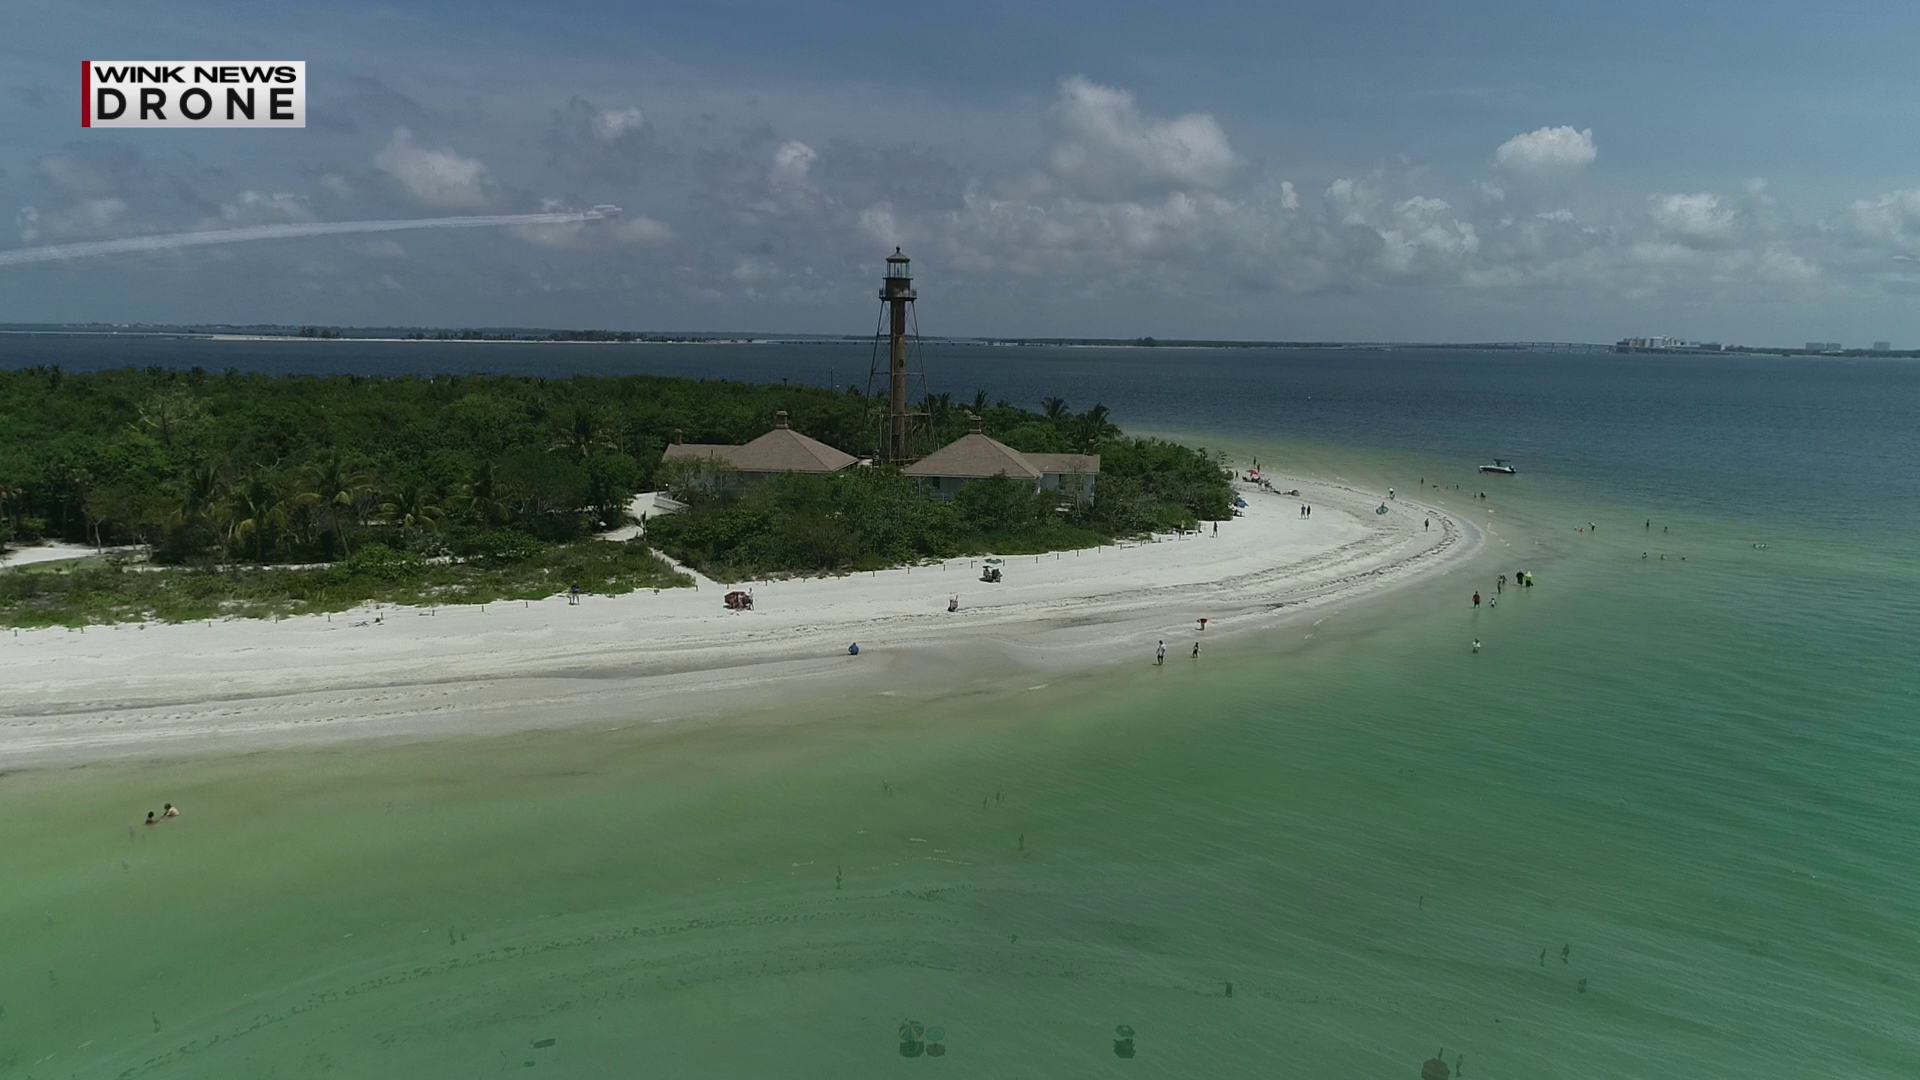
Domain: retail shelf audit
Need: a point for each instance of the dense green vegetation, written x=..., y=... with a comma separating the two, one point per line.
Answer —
x=83, y=591
x=480, y=486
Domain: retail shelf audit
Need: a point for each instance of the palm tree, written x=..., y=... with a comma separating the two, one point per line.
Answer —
x=413, y=506
x=255, y=507
x=1091, y=428
x=980, y=400
x=199, y=497
x=937, y=407
x=336, y=489
x=1054, y=409
x=583, y=435
x=483, y=496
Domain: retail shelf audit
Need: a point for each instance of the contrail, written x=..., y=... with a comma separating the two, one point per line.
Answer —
x=168, y=241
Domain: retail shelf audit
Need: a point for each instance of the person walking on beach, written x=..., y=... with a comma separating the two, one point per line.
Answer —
x=1429, y=524
x=1160, y=654
x=1216, y=528
x=953, y=603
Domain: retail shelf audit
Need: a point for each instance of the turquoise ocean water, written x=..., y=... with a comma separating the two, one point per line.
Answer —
x=1689, y=782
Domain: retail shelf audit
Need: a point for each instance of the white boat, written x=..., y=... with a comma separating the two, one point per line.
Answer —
x=1499, y=466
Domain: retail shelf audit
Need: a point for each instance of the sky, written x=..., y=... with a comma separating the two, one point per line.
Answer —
x=1480, y=170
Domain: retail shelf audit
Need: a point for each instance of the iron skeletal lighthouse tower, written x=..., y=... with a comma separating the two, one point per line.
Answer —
x=896, y=291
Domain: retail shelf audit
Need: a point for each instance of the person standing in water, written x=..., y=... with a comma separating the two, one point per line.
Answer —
x=1196, y=650
x=1476, y=598
x=1160, y=654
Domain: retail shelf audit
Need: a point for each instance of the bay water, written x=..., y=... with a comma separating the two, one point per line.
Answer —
x=1662, y=824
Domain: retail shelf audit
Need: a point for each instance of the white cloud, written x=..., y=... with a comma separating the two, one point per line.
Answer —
x=792, y=160
x=624, y=231
x=440, y=178
x=878, y=224
x=258, y=208
x=338, y=185
x=86, y=216
x=1102, y=144
x=1547, y=153
x=28, y=222
x=1699, y=221
x=1889, y=221
x=610, y=124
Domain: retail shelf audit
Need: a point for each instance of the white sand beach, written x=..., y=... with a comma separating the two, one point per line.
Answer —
x=166, y=690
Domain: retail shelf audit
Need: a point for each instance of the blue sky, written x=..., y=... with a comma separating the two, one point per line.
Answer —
x=1482, y=169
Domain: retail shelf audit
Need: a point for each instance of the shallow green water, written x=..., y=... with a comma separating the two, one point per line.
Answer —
x=1695, y=777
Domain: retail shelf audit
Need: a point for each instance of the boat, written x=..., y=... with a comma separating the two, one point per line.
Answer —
x=1499, y=466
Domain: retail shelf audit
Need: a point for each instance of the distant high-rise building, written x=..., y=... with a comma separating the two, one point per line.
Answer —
x=1883, y=346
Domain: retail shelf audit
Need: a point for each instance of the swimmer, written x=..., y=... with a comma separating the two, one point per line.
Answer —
x=151, y=819
x=170, y=810
x=1476, y=644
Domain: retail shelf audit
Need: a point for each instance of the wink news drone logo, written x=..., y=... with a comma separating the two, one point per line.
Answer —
x=193, y=93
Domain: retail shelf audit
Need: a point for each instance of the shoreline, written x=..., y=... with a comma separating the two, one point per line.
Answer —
x=171, y=690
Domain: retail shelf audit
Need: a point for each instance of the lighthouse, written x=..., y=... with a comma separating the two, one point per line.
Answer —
x=896, y=292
